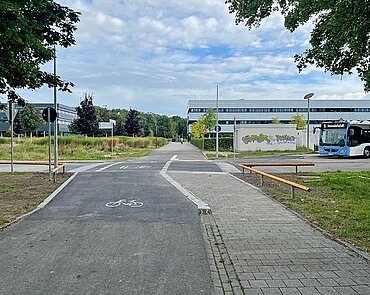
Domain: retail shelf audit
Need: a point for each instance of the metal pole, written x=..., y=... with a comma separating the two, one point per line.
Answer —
x=11, y=113
x=156, y=136
x=49, y=142
x=234, y=138
x=308, y=96
x=308, y=124
x=217, y=125
x=112, y=138
x=56, y=108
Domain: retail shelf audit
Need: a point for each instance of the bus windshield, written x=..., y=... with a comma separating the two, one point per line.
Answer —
x=333, y=136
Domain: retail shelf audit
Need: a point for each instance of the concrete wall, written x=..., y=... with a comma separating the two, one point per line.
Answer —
x=302, y=138
x=266, y=137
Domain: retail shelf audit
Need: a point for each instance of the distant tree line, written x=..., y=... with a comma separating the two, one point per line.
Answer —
x=128, y=122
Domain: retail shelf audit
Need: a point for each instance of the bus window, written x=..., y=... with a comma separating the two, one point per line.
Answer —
x=355, y=136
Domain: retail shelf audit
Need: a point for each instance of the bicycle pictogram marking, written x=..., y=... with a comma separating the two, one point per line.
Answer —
x=124, y=202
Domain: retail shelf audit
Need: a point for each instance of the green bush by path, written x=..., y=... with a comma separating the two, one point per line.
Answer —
x=224, y=143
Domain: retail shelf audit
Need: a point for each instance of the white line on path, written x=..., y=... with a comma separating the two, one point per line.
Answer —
x=202, y=206
x=173, y=158
x=106, y=167
x=123, y=167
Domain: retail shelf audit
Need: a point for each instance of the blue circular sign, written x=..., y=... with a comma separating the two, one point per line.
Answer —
x=218, y=128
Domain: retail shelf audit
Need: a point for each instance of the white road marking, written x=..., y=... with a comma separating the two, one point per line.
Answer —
x=123, y=167
x=106, y=167
x=173, y=158
x=202, y=206
x=228, y=168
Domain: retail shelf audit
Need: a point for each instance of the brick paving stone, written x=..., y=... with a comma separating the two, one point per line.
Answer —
x=345, y=290
x=254, y=291
x=290, y=291
x=309, y=291
x=257, y=283
x=310, y=282
x=311, y=275
x=271, y=291
x=328, y=282
x=363, y=290
x=327, y=291
x=345, y=281
x=262, y=275
x=294, y=275
x=275, y=283
x=293, y=283
x=278, y=275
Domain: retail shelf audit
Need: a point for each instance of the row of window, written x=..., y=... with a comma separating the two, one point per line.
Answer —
x=247, y=122
x=280, y=110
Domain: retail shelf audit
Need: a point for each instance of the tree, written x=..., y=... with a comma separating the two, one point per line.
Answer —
x=299, y=121
x=102, y=114
x=165, y=127
x=86, y=122
x=209, y=120
x=275, y=120
x=148, y=123
x=180, y=125
x=29, y=118
x=196, y=128
x=340, y=36
x=29, y=31
x=17, y=127
x=132, y=124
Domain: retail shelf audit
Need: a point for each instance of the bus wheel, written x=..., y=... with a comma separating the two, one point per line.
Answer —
x=367, y=152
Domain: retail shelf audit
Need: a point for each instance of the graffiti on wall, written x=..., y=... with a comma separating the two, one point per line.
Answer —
x=269, y=139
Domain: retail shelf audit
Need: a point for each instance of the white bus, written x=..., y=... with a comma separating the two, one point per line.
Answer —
x=345, y=138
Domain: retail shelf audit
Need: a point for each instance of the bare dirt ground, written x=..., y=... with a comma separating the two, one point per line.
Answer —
x=22, y=192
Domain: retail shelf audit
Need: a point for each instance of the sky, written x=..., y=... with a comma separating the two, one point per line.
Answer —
x=155, y=55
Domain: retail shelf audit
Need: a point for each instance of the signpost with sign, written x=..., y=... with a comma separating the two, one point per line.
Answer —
x=49, y=115
x=108, y=125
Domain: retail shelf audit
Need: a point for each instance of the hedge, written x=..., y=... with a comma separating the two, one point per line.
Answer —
x=224, y=143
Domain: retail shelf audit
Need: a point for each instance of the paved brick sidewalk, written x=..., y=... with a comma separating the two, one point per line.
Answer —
x=259, y=247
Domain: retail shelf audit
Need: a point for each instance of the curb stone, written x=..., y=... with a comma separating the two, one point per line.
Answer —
x=223, y=273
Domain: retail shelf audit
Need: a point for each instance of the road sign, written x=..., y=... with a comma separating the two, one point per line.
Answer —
x=105, y=125
x=53, y=114
x=218, y=128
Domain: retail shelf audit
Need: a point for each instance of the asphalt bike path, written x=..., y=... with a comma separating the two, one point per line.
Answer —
x=148, y=241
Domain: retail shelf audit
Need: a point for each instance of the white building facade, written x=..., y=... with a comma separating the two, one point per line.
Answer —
x=251, y=112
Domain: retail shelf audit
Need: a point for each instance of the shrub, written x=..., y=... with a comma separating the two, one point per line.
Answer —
x=4, y=140
x=138, y=142
x=224, y=143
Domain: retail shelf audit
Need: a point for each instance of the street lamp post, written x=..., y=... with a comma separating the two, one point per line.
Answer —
x=217, y=124
x=308, y=96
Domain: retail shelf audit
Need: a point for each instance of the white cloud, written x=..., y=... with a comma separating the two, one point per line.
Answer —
x=154, y=55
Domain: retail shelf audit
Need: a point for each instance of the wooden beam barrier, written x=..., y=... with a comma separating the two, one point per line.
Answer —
x=55, y=171
x=292, y=184
x=279, y=164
